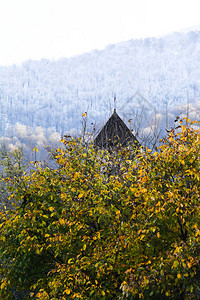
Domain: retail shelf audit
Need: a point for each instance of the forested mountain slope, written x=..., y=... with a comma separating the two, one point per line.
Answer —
x=154, y=78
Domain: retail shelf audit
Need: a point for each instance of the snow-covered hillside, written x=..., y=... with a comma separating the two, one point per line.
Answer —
x=154, y=78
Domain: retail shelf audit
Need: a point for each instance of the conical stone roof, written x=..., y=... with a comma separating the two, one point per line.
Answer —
x=115, y=133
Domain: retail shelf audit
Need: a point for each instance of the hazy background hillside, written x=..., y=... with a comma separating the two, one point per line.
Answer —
x=154, y=80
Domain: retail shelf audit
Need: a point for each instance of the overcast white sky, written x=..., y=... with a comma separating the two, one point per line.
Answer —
x=35, y=29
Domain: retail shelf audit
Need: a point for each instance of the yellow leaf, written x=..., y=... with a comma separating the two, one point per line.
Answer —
x=70, y=261
x=3, y=285
x=32, y=294
x=158, y=234
x=175, y=264
x=140, y=295
x=67, y=291
x=179, y=275
x=45, y=216
x=149, y=262
x=51, y=208
x=62, y=222
x=38, y=251
x=80, y=195
x=142, y=236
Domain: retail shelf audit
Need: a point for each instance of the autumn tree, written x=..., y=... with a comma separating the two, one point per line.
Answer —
x=83, y=232
x=64, y=240
x=165, y=245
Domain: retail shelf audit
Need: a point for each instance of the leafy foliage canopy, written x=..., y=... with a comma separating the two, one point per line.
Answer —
x=107, y=225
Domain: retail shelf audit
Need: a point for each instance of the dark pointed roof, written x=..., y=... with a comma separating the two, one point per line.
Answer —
x=114, y=133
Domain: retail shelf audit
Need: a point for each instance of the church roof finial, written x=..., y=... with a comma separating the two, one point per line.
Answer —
x=114, y=103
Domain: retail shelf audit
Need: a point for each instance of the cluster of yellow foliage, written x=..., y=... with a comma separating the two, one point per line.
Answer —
x=107, y=226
